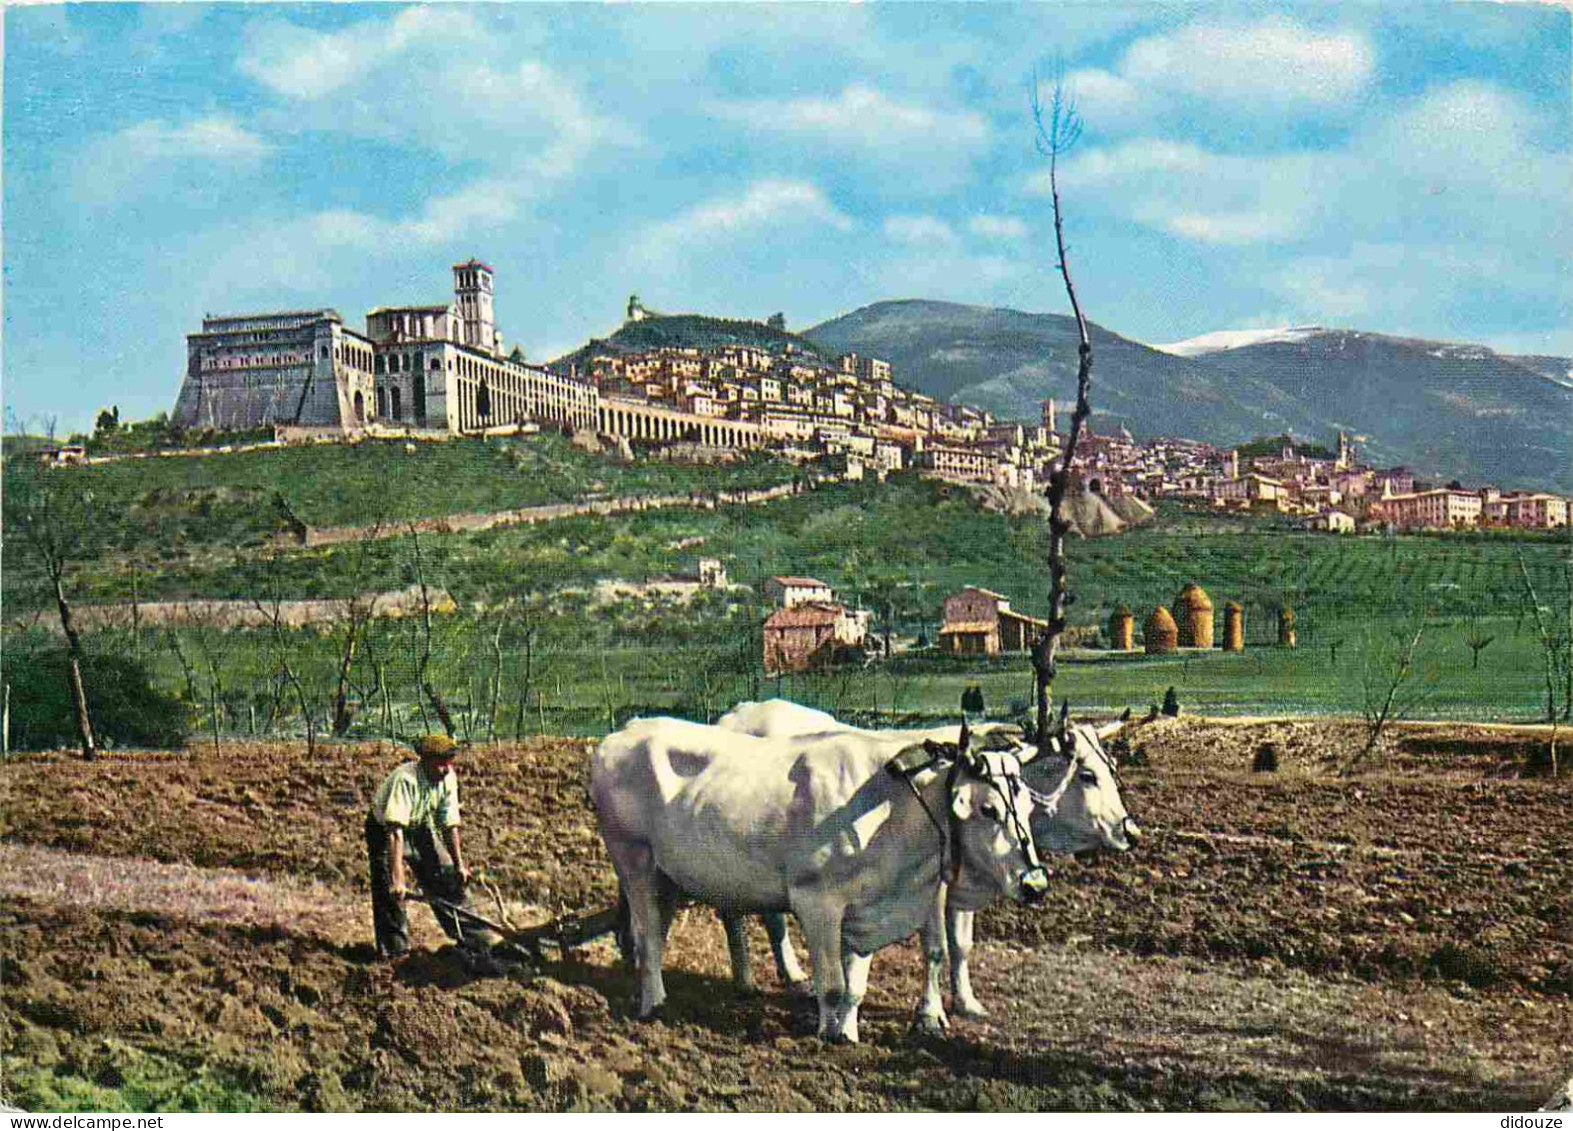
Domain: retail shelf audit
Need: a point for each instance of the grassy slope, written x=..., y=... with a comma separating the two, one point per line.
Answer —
x=335, y=484
x=931, y=539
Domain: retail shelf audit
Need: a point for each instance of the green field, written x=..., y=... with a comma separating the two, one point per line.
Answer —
x=181, y=531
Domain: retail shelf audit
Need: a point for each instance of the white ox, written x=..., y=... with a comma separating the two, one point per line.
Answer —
x=1079, y=809
x=824, y=828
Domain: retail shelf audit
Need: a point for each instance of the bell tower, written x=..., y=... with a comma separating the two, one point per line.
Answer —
x=1346, y=452
x=472, y=290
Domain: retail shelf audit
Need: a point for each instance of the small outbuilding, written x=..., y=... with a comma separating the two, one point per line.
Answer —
x=980, y=622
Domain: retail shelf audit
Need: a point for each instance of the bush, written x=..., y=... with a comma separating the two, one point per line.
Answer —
x=125, y=708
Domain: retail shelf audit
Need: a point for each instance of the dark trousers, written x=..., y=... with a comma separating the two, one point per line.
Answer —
x=428, y=861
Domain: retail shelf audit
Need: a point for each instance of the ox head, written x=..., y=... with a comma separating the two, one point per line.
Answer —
x=1082, y=809
x=991, y=831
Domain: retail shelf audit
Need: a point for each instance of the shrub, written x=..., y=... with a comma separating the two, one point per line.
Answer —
x=126, y=709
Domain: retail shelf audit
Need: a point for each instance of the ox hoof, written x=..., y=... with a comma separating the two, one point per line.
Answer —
x=973, y=1010
x=653, y=1014
x=839, y=1039
x=802, y=987
x=930, y=1024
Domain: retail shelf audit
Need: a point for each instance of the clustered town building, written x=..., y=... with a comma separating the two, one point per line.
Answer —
x=444, y=368
x=1337, y=494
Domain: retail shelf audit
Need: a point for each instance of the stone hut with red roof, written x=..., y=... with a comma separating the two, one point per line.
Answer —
x=980, y=622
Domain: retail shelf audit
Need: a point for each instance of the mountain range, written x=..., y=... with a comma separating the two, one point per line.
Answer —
x=1444, y=410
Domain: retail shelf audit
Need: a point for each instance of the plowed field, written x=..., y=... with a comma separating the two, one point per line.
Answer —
x=190, y=929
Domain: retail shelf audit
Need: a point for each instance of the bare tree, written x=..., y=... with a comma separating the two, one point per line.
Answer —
x=1478, y=640
x=1556, y=648
x=423, y=664
x=1388, y=665
x=271, y=605
x=529, y=633
x=1055, y=137
x=355, y=612
x=213, y=643
x=57, y=519
x=494, y=692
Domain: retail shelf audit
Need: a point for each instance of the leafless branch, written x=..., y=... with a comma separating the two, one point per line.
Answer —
x=1055, y=135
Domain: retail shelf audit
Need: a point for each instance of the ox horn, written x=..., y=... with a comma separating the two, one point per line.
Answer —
x=1109, y=730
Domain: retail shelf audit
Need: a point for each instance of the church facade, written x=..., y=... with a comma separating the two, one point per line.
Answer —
x=438, y=367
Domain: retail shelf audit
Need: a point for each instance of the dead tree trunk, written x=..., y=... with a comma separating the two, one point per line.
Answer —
x=1550, y=653
x=496, y=680
x=84, y=723
x=1055, y=138
x=432, y=695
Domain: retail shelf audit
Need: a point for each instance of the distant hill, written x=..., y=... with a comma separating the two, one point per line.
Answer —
x=1008, y=361
x=1440, y=409
x=692, y=330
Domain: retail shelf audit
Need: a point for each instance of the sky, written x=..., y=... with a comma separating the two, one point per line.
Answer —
x=1399, y=168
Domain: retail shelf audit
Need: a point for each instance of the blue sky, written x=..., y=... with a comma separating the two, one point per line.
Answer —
x=1402, y=168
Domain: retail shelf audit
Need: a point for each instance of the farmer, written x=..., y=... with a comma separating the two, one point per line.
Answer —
x=411, y=806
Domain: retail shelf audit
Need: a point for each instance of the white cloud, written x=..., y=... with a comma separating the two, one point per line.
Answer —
x=1276, y=61
x=944, y=274
x=765, y=205
x=997, y=227
x=1275, y=66
x=434, y=78
x=1467, y=130
x=429, y=76
x=862, y=115
x=308, y=252
x=1140, y=157
x=899, y=146
x=442, y=219
x=302, y=64
x=1189, y=192
x=920, y=231
x=123, y=164
x=1413, y=287
x=1260, y=226
x=214, y=137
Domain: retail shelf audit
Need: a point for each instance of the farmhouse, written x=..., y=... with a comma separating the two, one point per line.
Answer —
x=809, y=635
x=789, y=592
x=981, y=622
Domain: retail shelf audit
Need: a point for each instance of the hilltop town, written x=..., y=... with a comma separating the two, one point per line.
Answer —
x=444, y=368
